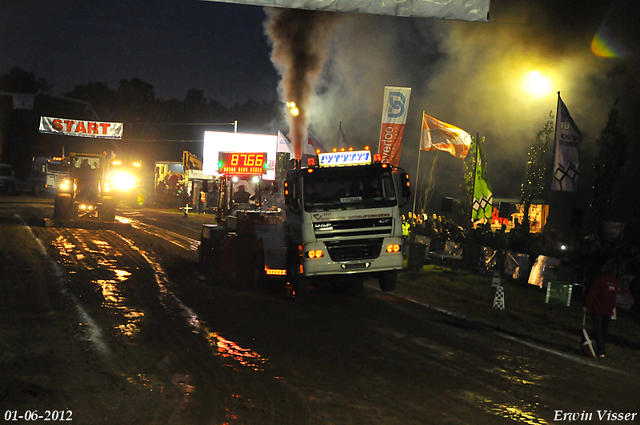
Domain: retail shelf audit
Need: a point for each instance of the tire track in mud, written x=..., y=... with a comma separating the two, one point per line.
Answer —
x=161, y=344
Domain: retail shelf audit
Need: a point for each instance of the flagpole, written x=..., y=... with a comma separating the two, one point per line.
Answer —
x=415, y=195
x=555, y=146
x=339, y=130
x=475, y=171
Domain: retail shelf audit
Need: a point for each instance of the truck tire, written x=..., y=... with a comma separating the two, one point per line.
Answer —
x=138, y=200
x=11, y=188
x=259, y=273
x=63, y=207
x=107, y=210
x=300, y=284
x=387, y=281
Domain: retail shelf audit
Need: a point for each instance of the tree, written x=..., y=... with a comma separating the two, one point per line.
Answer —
x=466, y=187
x=607, y=165
x=99, y=95
x=20, y=81
x=536, y=174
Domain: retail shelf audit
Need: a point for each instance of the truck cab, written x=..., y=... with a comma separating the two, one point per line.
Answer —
x=343, y=220
x=48, y=174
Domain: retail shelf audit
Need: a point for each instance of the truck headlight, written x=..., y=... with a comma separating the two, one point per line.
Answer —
x=123, y=181
x=65, y=185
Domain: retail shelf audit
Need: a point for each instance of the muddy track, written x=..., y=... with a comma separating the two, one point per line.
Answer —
x=158, y=343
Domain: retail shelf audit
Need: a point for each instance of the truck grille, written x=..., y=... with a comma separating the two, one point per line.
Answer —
x=342, y=228
x=363, y=249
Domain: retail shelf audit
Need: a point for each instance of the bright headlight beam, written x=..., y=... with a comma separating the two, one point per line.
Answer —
x=123, y=181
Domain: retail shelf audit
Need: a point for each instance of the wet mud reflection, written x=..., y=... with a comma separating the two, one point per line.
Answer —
x=520, y=414
x=84, y=251
x=244, y=356
x=91, y=253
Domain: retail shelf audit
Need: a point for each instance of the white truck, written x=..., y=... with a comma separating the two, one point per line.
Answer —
x=342, y=225
x=10, y=184
x=48, y=174
x=343, y=221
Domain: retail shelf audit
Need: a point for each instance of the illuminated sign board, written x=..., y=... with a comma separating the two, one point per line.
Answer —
x=339, y=159
x=216, y=142
x=242, y=163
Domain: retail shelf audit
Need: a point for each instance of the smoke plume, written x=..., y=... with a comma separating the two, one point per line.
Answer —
x=300, y=43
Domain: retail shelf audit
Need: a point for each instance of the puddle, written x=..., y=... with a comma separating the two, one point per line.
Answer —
x=516, y=371
x=222, y=347
x=520, y=414
x=182, y=241
x=244, y=356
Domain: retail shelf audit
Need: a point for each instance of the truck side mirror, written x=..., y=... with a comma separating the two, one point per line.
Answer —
x=406, y=185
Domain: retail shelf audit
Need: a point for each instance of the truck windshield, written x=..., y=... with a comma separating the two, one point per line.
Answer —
x=324, y=191
x=55, y=167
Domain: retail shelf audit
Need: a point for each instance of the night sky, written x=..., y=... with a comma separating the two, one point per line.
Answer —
x=469, y=74
x=172, y=45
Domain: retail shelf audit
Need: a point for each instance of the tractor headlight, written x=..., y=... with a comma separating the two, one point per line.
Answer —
x=123, y=181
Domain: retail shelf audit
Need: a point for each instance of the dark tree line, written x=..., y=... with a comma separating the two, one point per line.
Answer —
x=152, y=126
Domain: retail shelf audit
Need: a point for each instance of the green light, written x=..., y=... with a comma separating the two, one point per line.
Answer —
x=220, y=164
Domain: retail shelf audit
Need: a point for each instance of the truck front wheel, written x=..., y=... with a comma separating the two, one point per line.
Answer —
x=387, y=281
x=301, y=285
x=107, y=211
x=63, y=207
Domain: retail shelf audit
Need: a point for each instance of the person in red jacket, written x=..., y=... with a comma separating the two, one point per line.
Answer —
x=602, y=300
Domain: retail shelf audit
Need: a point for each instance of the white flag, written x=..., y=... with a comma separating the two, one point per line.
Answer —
x=313, y=144
x=342, y=140
x=567, y=161
x=284, y=145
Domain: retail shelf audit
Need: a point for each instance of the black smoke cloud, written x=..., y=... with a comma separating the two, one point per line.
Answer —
x=300, y=41
x=471, y=75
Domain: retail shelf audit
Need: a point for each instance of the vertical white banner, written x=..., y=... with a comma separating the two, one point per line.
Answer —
x=567, y=161
x=394, y=118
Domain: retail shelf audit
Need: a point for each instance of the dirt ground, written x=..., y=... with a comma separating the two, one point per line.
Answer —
x=123, y=328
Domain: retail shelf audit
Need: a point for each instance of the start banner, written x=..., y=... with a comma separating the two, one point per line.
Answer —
x=81, y=128
x=394, y=118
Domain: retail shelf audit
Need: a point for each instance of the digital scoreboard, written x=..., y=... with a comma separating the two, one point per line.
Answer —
x=242, y=163
x=219, y=146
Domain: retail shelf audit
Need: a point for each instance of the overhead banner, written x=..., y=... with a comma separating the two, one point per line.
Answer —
x=567, y=159
x=81, y=128
x=463, y=10
x=394, y=118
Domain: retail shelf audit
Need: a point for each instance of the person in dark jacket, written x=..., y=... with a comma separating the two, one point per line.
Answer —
x=602, y=300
